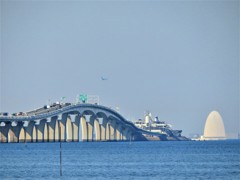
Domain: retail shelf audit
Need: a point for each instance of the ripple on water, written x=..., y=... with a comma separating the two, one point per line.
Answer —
x=120, y=160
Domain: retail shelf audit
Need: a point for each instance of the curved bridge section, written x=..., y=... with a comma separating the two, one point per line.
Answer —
x=71, y=123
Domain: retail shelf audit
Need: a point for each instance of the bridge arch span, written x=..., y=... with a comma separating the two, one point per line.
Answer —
x=76, y=122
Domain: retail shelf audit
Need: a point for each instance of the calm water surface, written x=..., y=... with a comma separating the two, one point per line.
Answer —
x=122, y=160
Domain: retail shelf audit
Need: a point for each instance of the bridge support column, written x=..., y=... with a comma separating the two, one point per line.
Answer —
x=119, y=132
x=4, y=128
x=22, y=134
x=13, y=133
x=125, y=134
x=69, y=130
x=75, y=123
x=62, y=118
x=37, y=123
x=103, y=124
x=131, y=136
x=84, y=129
x=56, y=131
x=28, y=126
x=113, y=130
x=34, y=134
x=97, y=130
x=128, y=135
x=42, y=132
x=51, y=123
x=103, y=132
x=108, y=131
x=90, y=127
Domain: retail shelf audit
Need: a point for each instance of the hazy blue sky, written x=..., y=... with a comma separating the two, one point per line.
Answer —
x=177, y=59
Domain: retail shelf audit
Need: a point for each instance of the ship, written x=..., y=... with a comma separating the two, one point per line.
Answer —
x=155, y=125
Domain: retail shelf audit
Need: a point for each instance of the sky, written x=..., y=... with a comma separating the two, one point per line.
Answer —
x=177, y=59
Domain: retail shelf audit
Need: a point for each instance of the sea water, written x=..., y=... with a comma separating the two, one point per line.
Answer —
x=122, y=160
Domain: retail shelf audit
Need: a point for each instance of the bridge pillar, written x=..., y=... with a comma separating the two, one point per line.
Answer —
x=108, y=131
x=62, y=125
x=125, y=134
x=69, y=130
x=41, y=130
x=22, y=134
x=101, y=129
x=119, y=129
x=4, y=128
x=56, y=131
x=34, y=134
x=112, y=130
x=128, y=134
x=89, y=127
x=28, y=127
x=45, y=132
x=39, y=134
x=131, y=136
x=51, y=124
x=97, y=129
x=75, y=123
x=103, y=126
x=84, y=128
x=13, y=132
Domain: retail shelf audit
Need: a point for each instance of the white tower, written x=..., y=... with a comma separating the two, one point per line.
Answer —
x=214, y=127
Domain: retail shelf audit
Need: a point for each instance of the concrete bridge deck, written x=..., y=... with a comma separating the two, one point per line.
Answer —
x=73, y=123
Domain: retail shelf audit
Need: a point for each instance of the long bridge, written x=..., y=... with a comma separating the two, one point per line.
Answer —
x=71, y=123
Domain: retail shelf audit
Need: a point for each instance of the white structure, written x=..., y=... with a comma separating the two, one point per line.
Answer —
x=156, y=126
x=148, y=119
x=214, y=127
